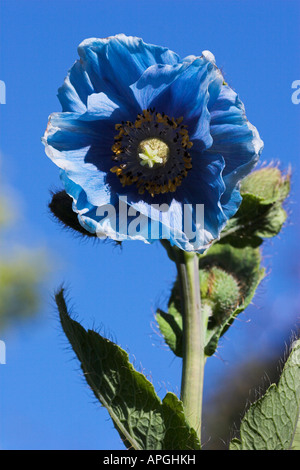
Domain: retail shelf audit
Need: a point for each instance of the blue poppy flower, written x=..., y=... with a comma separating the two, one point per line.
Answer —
x=145, y=138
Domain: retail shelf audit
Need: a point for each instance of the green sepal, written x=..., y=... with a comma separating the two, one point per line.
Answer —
x=261, y=214
x=272, y=422
x=228, y=278
x=61, y=207
x=239, y=265
x=269, y=184
x=141, y=418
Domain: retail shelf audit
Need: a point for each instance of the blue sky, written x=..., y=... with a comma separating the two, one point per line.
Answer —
x=44, y=402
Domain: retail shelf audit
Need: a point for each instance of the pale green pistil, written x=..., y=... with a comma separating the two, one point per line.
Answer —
x=153, y=152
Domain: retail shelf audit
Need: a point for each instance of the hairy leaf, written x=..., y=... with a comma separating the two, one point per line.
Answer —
x=141, y=418
x=272, y=422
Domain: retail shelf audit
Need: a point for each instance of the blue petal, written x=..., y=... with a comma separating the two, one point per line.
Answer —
x=237, y=141
x=205, y=185
x=74, y=92
x=153, y=81
x=86, y=212
x=182, y=90
x=105, y=220
x=233, y=136
x=81, y=146
x=110, y=65
x=73, y=130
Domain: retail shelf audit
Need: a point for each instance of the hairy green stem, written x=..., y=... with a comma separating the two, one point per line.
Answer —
x=193, y=338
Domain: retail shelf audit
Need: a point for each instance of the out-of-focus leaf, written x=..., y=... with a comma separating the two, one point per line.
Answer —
x=20, y=281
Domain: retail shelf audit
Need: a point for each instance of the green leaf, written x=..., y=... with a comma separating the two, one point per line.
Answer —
x=142, y=420
x=272, y=422
x=170, y=324
x=261, y=214
x=228, y=279
x=178, y=435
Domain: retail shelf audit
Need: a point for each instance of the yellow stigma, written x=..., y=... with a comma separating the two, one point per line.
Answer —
x=152, y=152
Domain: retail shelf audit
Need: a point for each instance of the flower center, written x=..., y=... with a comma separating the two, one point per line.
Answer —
x=152, y=152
